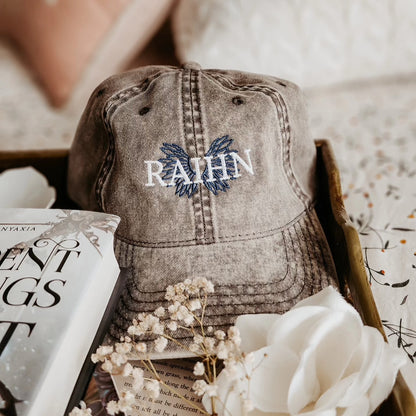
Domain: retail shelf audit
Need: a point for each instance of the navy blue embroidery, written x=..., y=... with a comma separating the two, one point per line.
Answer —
x=173, y=152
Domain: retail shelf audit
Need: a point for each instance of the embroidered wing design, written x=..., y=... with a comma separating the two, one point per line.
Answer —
x=174, y=153
x=220, y=146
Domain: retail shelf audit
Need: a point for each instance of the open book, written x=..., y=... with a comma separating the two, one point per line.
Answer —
x=58, y=275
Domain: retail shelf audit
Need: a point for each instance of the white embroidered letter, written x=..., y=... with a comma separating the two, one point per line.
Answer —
x=150, y=173
x=195, y=161
x=182, y=174
x=247, y=166
x=211, y=168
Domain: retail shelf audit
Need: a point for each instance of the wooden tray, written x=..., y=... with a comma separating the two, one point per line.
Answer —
x=342, y=237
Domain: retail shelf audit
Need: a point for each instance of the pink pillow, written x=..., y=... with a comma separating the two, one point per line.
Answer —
x=73, y=44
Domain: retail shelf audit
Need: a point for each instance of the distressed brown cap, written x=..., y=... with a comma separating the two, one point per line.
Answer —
x=213, y=175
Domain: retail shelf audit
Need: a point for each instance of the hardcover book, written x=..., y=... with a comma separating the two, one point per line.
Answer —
x=58, y=276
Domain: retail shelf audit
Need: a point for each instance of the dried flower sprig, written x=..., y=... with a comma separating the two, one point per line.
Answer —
x=185, y=311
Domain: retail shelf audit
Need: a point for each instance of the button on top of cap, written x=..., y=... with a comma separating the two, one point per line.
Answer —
x=191, y=65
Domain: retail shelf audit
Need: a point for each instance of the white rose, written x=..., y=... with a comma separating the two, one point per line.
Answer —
x=316, y=359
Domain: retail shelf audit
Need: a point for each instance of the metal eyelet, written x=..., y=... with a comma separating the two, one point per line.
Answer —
x=237, y=100
x=144, y=111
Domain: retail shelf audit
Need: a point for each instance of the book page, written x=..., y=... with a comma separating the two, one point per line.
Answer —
x=179, y=378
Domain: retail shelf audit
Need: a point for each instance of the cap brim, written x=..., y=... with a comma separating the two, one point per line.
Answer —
x=258, y=275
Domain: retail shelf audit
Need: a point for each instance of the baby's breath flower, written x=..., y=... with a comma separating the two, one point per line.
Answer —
x=173, y=307
x=126, y=401
x=200, y=387
x=107, y=366
x=209, y=287
x=118, y=359
x=101, y=353
x=231, y=370
x=249, y=358
x=204, y=284
x=141, y=317
x=209, y=343
x=183, y=314
x=141, y=347
x=138, y=379
x=153, y=387
x=127, y=370
x=192, y=288
x=194, y=305
x=211, y=390
x=135, y=330
x=234, y=335
x=172, y=325
x=112, y=407
x=160, y=311
x=210, y=330
x=158, y=328
x=151, y=320
x=176, y=292
x=160, y=344
x=222, y=350
x=195, y=348
x=188, y=320
x=137, y=373
x=123, y=348
x=81, y=411
x=219, y=334
x=170, y=292
x=199, y=368
x=198, y=339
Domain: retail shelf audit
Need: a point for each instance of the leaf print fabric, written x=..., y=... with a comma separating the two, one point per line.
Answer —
x=372, y=127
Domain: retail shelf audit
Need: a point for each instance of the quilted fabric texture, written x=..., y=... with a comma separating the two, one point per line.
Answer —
x=311, y=42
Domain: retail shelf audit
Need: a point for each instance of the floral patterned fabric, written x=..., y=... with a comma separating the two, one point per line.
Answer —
x=372, y=127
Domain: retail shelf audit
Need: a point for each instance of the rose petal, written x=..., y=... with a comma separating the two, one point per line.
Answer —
x=390, y=362
x=330, y=398
x=304, y=387
x=360, y=408
x=335, y=344
x=368, y=354
x=320, y=366
x=253, y=330
x=328, y=412
x=274, y=367
x=327, y=298
x=293, y=328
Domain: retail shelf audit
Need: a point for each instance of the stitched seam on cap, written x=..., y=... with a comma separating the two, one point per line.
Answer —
x=185, y=141
x=317, y=254
x=326, y=254
x=277, y=281
x=108, y=110
x=283, y=119
x=191, y=143
x=205, y=194
x=191, y=81
x=220, y=295
x=256, y=236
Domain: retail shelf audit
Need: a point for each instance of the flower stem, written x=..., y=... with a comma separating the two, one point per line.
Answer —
x=185, y=399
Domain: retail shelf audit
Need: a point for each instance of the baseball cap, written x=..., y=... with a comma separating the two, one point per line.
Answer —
x=213, y=175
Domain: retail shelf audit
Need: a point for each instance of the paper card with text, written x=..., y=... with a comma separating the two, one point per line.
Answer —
x=177, y=380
